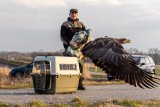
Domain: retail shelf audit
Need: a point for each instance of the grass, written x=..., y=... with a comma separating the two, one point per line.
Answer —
x=98, y=76
x=128, y=103
x=136, y=103
x=78, y=102
x=16, y=83
x=15, y=63
x=7, y=82
x=88, y=82
x=157, y=70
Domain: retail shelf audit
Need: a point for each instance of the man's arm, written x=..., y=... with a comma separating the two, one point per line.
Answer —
x=63, y=35
x=83, y=27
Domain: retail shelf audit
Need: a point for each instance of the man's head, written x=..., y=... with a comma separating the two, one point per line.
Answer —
x=73, y=14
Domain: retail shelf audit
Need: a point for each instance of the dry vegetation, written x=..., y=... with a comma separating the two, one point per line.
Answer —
x=78, y=102
x=8, y=82
x=4, y=71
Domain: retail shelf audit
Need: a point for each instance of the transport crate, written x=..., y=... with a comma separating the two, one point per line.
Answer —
x=55, y=74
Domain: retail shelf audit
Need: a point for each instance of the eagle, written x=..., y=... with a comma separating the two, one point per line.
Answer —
x=109, y=54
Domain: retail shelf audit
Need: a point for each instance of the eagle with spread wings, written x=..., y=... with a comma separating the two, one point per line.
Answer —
x=109, y=54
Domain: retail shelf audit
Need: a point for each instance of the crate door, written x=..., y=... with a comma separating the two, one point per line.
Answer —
x=42, y=74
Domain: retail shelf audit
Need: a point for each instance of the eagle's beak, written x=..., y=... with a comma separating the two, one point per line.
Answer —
x=124, y=41
x=128, y=41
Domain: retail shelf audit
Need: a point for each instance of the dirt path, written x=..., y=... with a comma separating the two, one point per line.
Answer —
x=91, y=94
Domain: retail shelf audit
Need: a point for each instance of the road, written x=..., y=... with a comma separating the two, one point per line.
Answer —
x=91, y=94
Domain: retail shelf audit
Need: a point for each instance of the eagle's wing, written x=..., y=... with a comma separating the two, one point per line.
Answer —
x=110, y=56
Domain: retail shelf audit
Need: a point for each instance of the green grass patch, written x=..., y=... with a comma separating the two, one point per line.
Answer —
x=94, y=69
x=17, y=86
x=78, y=102
x=157, y=70
x=128, y=103
x=3, y=104
x=136, y=103
x=12, y=63
x=89, y=82
x=15, y=83
x=37, y=103
x=98, y=76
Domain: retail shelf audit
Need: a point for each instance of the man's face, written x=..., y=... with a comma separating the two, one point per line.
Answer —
x=73, y=15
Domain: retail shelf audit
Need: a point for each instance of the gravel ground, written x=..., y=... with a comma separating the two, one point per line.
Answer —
x=91, y=94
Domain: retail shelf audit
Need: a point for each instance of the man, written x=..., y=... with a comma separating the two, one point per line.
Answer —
x=68, y=30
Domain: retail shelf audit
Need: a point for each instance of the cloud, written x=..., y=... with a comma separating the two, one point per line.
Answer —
x=114, y=2
x=151, y=9
x=147, y=7
x=100, y=2
x=41, y=3
x=92, y=2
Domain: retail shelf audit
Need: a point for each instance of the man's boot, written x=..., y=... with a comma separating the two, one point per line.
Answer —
x=80, y=85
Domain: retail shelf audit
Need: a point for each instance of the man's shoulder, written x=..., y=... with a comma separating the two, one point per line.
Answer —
x=70, y=23
x=66, y=23
x=81, y=23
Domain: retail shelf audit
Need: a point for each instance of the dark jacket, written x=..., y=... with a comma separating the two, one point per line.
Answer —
x=69, y=28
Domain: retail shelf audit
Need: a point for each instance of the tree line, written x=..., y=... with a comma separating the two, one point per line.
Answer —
x=29, y=56
x=153, y=52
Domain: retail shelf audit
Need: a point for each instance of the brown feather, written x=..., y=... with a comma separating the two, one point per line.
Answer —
x=108, y=54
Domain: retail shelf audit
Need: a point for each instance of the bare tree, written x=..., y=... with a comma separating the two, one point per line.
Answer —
x=155, y=54
x=133, y=51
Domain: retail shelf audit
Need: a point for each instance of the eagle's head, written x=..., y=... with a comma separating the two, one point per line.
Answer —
x=123, y=40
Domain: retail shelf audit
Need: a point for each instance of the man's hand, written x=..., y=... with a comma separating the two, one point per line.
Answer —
x=72, y=43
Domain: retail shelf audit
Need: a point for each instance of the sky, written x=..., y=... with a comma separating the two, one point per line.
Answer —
x=34, y=25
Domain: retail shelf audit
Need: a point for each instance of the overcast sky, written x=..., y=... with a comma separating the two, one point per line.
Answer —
x=34, y=25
